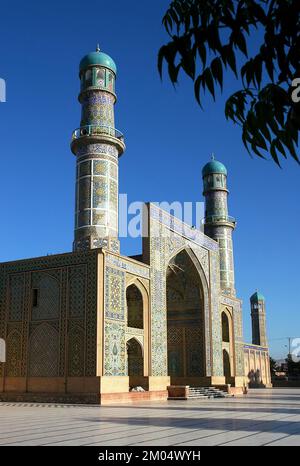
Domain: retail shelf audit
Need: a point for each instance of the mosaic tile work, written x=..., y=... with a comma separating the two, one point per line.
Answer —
x=76, y=352
x=14, y=354
x=33, y=269
x=114, y=348
x=115, y=298
x=77, y=291
x=16, y=296
x=96, y=210
x=48, y=288
x=128, y=266
x=164, y=244
x=103, y=149
x=194, y=362
x=44, y=352
x=238, y=333
x=182, y=229
x=175, y=351
x=217, y=355
x=97, y=109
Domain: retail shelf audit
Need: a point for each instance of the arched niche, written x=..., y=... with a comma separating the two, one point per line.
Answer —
x=185, y=298
x=135, y=307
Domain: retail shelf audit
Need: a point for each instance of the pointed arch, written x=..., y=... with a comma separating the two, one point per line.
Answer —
x=135, y=365
x=135, y=306
x=225, y=327
x=137, y=339
x=195, y=261
x=187, y=296
x=226, y=365
x=227, y=343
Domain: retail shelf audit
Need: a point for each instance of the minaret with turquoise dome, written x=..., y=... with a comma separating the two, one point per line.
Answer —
x=258, y=317
x=218, y=224
x=97, y=145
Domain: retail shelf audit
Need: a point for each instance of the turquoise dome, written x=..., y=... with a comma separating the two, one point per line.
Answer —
x=214, y=167
x=257, y=297
x=98, y=58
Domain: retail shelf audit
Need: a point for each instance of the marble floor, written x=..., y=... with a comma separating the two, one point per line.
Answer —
x=263, y=417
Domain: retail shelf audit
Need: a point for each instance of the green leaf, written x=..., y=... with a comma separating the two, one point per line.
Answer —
x=258, y=70
x=241, y=43
x=161, y=56
x=217, y=71
x=209, y=82
x=197, y=89
x=279, y=146
x=230, y=56
x=274, y=154
x=202, y=53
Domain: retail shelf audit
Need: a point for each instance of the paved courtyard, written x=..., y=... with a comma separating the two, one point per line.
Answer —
x=264, y=417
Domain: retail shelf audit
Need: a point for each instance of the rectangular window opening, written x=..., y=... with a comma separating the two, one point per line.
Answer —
x=35, y=297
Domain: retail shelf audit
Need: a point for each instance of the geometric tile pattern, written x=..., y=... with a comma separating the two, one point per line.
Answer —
x=14, y=354
x=216, y=334
x=44, y=352
x=76, y=352
x=56, y=270
x=16, y=296
x=238, y=333
x=48, y=304
x=137, y=269
x=114, y=348
x=77, y=291
x=96, y=210
x=165, y=243
x=114, y=294
x=193, y=337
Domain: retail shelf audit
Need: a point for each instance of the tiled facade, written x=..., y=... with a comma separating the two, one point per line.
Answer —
x=89, y=325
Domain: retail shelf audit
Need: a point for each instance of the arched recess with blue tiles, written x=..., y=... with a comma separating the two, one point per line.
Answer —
x=185, y=285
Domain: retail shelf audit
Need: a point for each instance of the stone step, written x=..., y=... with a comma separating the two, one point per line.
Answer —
x=207, y=392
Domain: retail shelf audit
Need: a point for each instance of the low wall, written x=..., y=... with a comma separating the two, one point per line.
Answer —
x=178, y=392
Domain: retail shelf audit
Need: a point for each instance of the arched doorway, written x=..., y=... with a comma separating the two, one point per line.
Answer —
x=135, y=308
x=135, y=362
x=227, y=345
x=226, y=365
x=225, y=328
x=185, y=321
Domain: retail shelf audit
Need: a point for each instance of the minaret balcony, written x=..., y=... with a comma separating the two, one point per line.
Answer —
x=220, y=220
x=98, y=133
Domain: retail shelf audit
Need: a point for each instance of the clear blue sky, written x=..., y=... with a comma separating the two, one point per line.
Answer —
x=168, y=140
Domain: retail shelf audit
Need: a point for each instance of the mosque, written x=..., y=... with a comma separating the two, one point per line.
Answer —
x=89, y=326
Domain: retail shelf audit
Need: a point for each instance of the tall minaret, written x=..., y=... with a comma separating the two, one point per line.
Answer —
x=218, y=225
x=97, y=146
x=258, y=317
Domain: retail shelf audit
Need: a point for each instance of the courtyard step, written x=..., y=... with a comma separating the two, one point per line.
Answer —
x=207, y=392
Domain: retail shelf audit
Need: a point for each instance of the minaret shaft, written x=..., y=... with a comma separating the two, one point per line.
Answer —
x=258, y=318
x=97, y=146
x=218, y=224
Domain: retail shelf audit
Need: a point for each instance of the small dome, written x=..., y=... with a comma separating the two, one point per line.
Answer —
x=98, y=58
x=257, y=297
x=214, y=167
